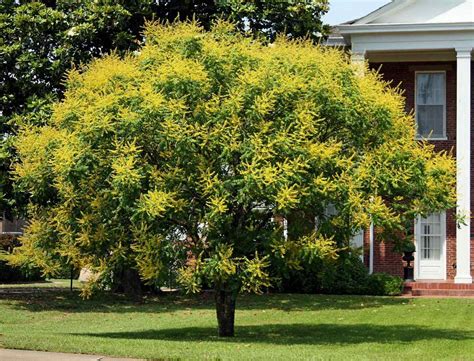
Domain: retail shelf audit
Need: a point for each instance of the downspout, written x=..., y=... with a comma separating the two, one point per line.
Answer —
x=371, y=249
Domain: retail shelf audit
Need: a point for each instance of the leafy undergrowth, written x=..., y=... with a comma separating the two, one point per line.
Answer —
x=277, y=327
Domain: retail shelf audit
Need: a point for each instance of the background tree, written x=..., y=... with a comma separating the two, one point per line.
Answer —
x=267, y=18
x=41, y=40
x=189, y=148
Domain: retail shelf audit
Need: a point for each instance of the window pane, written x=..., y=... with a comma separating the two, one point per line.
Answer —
x=431, y=238
x=426, y=229
x=431, y=229
x=433, y=218
x=430, y=248
x=358, y=239
x=430, y=120
x=430, y=88
x=430, y=104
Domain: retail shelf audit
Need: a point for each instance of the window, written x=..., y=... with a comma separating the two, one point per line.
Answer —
x=430, y=105
x=356, y=241
x=431, y=237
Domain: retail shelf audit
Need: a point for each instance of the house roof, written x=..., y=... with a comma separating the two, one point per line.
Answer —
x=414, y=16
x=381, y=9
x=420, y=12
x=335, y=38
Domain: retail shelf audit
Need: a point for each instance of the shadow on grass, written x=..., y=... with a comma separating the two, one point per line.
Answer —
x=18, y=284
x=113, y=303
x=286, y=334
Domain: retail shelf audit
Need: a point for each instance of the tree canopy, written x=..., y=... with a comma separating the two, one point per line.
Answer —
x=41, y=40
x=191, y=148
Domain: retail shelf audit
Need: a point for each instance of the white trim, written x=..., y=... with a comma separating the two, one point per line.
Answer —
x=423, y=41
x=431, y=139
x=383, y=39
x=413, y=35
x=403, y=28
x=371, y=254
x=463, y=53
x=443, y=253
x=445, y=106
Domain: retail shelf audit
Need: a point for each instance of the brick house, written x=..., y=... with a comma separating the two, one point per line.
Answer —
x=426, y=47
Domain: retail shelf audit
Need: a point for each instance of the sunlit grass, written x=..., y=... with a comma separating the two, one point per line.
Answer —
x=277, y=327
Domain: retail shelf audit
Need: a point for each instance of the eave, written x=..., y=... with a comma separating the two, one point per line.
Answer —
x=408, y=37
x=403, y=28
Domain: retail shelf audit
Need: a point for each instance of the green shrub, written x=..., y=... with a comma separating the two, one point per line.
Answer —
x=10, y=273
x=348, y=275
x=306, y=280
x=383, y=284
x=406, y=245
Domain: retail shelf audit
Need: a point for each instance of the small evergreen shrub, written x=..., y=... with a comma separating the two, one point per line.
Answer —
x=384, y=284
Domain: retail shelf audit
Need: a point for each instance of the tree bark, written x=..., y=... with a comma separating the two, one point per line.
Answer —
x=225, y=310
x=132, y=284
x=128, y=281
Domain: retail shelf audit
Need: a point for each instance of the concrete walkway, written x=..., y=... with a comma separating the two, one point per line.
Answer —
x=21, y=355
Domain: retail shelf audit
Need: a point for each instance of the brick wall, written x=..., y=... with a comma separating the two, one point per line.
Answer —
x=403, y=74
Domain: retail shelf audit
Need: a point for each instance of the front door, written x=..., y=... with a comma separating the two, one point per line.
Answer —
x=430, y=233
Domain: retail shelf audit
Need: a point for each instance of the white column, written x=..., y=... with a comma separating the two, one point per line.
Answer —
x=358, y=59
x=463, y=160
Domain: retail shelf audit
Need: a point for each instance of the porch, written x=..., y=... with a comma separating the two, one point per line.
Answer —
x=432, y=288
x=439, y=55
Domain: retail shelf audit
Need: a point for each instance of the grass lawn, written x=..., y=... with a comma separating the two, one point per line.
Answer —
x=270, y=327
x=49, y=284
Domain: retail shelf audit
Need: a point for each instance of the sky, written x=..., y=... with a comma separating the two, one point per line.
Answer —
x=344, y=10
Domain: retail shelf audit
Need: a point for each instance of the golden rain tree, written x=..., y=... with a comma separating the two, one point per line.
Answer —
x=196, y=145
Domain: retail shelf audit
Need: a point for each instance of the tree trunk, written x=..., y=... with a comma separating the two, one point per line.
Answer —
x=225, y=310
x=132, y=284
x=127, y=280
